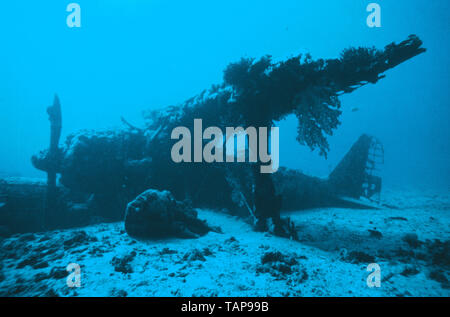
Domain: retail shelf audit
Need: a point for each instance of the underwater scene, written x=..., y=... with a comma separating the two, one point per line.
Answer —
x=251, y=148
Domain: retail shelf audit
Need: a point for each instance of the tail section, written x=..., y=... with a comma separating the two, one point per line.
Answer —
x=357, y=174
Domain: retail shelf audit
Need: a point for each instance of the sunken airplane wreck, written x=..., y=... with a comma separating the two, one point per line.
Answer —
x=111, y=174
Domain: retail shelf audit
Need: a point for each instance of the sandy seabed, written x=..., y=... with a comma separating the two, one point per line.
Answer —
x=410, y=243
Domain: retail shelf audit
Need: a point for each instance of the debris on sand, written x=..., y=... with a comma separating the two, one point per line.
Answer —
x=281, y=266
x=78, y=238
x=412, y=240
x=409, y=271
x=440, y=276
x=122, y=264
x=156, y=214
x=375, y=234
x=57, y=273
x=231, y=240
x=396, y=218
x=30, y=260
x=357, y=257
x=277, y=257
x=118, y=293
x=196, y=255
x=165, y=251
x=440, y=253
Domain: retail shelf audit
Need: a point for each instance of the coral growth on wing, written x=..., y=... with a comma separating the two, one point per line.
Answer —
x=258, y=92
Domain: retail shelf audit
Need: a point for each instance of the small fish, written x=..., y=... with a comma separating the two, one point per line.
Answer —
x=355, y=109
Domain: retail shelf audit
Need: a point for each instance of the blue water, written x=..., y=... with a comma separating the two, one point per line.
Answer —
x=133, y=55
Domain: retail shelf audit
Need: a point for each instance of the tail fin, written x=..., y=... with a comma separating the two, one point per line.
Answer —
x=357, y=173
